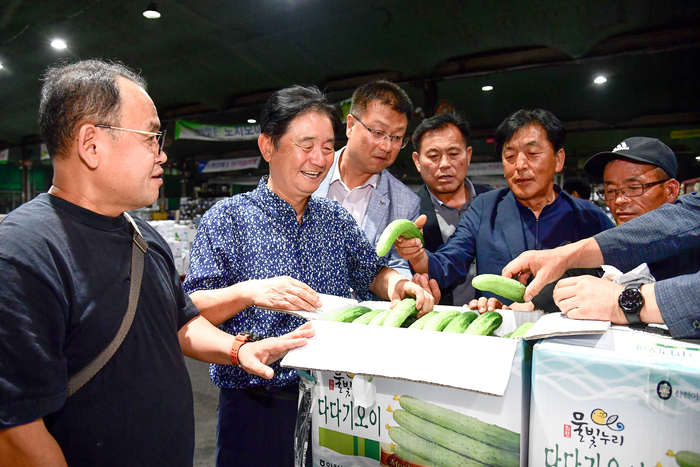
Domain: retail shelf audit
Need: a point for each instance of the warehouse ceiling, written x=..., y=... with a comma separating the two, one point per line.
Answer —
x=218, y=61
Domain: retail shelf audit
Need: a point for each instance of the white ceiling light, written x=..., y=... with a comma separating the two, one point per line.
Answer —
x=252, y=120
x=487, y=88
x=600, y=80
x=151, y=11
x=0, y=66
x=58, y=44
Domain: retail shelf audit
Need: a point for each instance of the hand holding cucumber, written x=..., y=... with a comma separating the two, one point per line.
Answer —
x=412, y=248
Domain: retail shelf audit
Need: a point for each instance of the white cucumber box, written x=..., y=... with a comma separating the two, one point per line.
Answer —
x=623, y=398
x=381, y=392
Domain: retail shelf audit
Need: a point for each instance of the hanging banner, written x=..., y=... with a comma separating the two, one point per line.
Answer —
x=227, y=165
x=44, y=153
x=4, y=156
x=191, y=130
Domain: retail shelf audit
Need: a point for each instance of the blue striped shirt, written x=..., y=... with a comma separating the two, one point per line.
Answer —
x=256, y=235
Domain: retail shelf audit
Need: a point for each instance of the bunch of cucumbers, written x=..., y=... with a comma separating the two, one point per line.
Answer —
x=429, y=434
x=404, y=315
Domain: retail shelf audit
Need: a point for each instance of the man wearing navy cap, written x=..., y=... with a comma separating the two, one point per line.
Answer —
x=639, y=175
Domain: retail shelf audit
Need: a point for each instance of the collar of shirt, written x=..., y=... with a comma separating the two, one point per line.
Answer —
x=274, y=205
x=471, y=194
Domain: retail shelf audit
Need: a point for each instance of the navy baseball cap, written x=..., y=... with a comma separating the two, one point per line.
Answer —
x=638, y=148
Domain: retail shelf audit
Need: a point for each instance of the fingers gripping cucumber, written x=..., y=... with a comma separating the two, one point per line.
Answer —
x=506, y=288
x=398, y=228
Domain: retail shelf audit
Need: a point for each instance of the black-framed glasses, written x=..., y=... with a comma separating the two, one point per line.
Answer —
x=158, y=135
x=631, y=191
x=380, y=136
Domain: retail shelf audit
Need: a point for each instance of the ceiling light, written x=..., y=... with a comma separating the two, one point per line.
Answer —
x=151, y=11
x=0, y=66
x=58, y=44
x=252, y=120
x=600, y=80
x=487, y=88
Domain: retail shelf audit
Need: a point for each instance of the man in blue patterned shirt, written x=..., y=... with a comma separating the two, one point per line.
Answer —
x=276, y=247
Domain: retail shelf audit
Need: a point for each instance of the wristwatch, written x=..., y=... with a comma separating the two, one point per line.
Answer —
x=631, y=302
x=242, y=338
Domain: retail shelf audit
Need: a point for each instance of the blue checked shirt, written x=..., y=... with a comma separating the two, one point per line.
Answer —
x=256, y=235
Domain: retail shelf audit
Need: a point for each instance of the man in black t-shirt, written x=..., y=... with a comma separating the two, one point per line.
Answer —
x=65, y=261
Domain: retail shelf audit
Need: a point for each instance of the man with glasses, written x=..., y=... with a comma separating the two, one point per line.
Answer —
x=639, y=175
x=653, y=226
x=359, y=179
x=68, y=258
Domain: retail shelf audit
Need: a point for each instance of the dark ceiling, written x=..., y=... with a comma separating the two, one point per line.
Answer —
x=218, y=61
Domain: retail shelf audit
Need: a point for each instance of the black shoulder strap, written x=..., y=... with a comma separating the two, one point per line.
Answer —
x=138, y=253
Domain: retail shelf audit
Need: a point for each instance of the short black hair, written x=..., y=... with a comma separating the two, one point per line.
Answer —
x=288, y=103
x=517, y=120
x=76, y=93
x=579, y=185
x=438, y=122
x=386, y=93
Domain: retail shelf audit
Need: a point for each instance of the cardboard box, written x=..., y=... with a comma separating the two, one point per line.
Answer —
x=623, y=398
x=365, y=374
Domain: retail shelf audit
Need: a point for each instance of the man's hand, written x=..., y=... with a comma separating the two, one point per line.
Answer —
x=429, y=285
x=412, y=249
x=483, y=304
x=282, y=293
x=549, y=265
x=589, y=297
x=405, y=288
x=255, y=356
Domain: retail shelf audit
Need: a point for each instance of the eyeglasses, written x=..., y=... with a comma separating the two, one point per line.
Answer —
x=380, y=136
x=158, y=135
x=631, y=191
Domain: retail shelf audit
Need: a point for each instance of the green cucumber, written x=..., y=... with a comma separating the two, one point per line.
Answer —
x=408, y=456
x=688, y=459
x=420, y=322
x=485, y=324
x=460, y=323
x=434, y=453
x=441, y=320
x=506, y=288
x=457, y=442
x=350, y=314
x=398, y=228
x=520, y=331
x=379, y=318
x=367, y=317
x=473, y=427
x=398, y=314
x=409, y=321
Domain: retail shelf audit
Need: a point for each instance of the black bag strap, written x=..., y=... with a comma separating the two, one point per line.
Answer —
x=138, y=253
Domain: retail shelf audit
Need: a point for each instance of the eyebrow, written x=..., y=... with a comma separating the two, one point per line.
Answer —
x=634, y=178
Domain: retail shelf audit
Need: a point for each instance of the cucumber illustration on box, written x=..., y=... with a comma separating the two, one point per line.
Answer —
x=436, y=436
